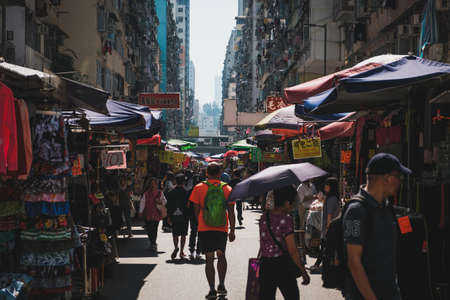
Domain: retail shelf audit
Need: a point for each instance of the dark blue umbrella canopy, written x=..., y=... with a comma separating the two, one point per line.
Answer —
x=275, y=177
x=378, y=87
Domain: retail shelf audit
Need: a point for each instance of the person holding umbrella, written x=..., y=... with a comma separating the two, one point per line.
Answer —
x=278, y=248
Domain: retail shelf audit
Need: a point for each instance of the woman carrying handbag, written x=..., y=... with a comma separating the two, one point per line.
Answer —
x=280, y=263
x=153, y=209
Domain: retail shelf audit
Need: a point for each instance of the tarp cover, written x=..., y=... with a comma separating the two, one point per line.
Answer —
x=384, y=85
x=282, y=118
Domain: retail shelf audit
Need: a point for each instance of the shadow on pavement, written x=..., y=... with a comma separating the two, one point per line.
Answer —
x=132, y=278
x=136, y=247
x=186, y=261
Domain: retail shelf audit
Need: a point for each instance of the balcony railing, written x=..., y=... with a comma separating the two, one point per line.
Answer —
x=343, y=9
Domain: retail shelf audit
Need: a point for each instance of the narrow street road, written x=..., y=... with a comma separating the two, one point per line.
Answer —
x=139, y=276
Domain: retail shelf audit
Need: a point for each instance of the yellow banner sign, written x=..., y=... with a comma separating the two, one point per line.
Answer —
x=171, y=158
x=306, y=148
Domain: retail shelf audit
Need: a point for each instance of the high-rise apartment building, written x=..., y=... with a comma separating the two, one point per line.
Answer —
x=181, y=12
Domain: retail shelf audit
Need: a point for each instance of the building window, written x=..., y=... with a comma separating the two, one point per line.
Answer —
x=180, y=20
x=99, y=75
x=108, y=80
x=180, y=9
x=180, y=30
x=101, y=19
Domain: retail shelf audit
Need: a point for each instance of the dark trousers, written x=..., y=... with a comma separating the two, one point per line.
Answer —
x=193, y=234
x=320, y=256
x=272, y=276
x=127, y=214
x=152, y=231
x=239, y=210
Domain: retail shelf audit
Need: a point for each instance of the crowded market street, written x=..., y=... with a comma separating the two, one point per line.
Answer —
x=146, y=277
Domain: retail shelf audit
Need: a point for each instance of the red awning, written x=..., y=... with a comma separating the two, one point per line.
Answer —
x=337, y=129
x=296, y=94
x=154, y=140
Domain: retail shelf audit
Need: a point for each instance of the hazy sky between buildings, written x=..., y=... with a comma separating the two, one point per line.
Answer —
x=211, y=25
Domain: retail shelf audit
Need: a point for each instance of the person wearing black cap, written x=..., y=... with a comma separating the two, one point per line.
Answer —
x=370, y=232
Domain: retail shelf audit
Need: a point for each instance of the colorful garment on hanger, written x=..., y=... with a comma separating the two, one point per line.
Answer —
x=8, y=131
x=24, y=145
x=38, y=185
x=49, y=138
x=9, y=223
x=47, y=235
x=60, y=258
x=44, y=222
x=46, y=245
x=44, y=197
x=11, y=208
x=47, y=209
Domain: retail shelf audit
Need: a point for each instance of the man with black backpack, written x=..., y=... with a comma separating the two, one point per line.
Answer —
x=370, y=232
x=214, y=213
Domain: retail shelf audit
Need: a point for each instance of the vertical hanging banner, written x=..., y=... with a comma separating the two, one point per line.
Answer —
x=306, y=148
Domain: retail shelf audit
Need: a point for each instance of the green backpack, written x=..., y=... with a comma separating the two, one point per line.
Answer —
x=215, y=208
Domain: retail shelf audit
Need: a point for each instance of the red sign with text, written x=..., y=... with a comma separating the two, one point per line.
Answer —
x=274, y=103
x=160, y=100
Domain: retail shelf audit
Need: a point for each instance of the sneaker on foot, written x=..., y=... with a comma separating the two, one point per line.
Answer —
x=211, y=295
x=222, y=290
x=192, y=256
x=315, y=269
x=198, y=256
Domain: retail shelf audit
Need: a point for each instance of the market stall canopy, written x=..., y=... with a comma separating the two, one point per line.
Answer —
x=378, y=88
x=297, y=94
x=193, y=155
x=231, y=153
x=284, y=118
x=126, y=117
x=301, y=113
x=275, y=177
x=154, y=140
x=30, y=83
x=241, y=145
x=182, y=145
x=267, y=136
x=337, y=129
x=218, y=156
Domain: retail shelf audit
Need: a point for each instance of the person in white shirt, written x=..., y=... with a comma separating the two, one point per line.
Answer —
x=306, y=192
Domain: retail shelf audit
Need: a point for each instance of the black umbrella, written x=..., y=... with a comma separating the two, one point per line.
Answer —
x=275, y=177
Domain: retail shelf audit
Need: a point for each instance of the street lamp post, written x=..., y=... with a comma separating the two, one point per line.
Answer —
x=324, y=27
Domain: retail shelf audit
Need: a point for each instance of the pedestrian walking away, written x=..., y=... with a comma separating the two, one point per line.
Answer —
x=195, y=253
x=331, y=209
x=235, y=180
x=152, y=209
x=278, y=249
x=214, y=216
x=370, y=232
x=126, y=203
x=177, y=215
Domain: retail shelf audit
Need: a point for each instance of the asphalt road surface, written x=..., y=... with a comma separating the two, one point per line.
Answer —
x=141, y=276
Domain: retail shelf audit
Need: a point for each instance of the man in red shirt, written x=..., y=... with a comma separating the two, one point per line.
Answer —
x=213, y=239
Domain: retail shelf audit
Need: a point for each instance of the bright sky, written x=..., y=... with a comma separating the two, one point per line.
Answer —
x=211, y=24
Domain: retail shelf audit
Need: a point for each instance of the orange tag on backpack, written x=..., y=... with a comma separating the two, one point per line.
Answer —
x=405, y=224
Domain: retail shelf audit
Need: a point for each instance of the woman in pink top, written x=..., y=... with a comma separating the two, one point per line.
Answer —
x=277, y=244
x=148, y=210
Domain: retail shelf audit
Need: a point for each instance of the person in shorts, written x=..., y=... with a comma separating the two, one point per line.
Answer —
x=177, y=215
x=213, y=240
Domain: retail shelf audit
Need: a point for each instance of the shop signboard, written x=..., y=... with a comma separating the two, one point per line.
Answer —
x=193, y=131
x=255, y=154
x=306, y=148
x=171, y=158
x=272, y=157
x=274, y=103
x=160, y=100
x=346, y=157
x=112, y=160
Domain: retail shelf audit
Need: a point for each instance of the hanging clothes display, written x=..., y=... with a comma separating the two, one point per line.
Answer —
x=8, y=131
x=47, y=235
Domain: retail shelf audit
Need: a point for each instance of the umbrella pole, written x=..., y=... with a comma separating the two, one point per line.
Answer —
x=409, y=134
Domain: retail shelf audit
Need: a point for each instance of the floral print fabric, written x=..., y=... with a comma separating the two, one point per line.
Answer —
x=281, y=225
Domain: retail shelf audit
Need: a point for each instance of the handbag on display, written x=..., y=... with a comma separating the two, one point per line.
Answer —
x=291, y=267
x=252, y=289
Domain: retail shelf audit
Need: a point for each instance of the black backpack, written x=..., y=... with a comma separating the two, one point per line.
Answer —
x=334, y=269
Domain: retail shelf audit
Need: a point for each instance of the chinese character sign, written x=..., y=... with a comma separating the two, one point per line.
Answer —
x=306, y=148
x=274, y=103
x=160, y=100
